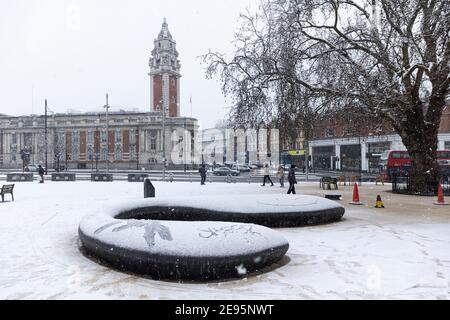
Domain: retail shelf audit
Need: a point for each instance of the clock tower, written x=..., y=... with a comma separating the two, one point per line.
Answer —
x=165, y=74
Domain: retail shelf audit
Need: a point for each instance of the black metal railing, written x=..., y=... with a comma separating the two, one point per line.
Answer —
x=402, y=184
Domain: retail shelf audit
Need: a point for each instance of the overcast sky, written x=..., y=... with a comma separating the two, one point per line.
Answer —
x=72, y=52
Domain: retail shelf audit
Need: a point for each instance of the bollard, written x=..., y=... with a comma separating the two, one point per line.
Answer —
x=190, y=177
x=149, y=189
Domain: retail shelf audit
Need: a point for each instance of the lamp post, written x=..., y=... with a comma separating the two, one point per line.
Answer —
x=46, y=139
x=107, y=132
x=184, y=145
x=164, y=141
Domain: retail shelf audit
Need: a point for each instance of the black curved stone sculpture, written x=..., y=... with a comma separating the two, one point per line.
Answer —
x=179, y=238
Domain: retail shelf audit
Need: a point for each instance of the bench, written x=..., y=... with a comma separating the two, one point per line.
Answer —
x=380, y=179
x=354, y=179
x=328, y=181
x=7, y=189
x=333, y=196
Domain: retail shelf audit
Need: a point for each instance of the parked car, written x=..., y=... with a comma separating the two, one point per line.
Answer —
x=224, y=171
x=256, y=165
x=241, y=168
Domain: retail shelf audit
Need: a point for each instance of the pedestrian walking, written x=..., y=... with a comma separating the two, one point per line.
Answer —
x=266, y=175
x=292, y=180
x=202, y=171
x=280, y=175
x=41, y=173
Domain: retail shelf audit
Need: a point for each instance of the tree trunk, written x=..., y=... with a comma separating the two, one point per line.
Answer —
x=425, y=173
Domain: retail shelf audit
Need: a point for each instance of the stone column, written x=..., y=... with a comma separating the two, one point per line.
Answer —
x=337, y=153
x=364, y=164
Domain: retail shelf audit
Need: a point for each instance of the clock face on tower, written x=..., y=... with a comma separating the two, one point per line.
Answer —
x=165, y=74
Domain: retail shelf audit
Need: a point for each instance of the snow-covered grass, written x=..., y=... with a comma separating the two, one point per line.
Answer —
x=398, y=252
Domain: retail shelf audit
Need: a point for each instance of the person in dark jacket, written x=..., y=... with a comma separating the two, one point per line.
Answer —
x=292, y=180
x=41, y=173
x=202, y=171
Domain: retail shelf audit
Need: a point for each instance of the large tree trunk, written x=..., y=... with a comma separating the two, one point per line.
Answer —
x=422, y=146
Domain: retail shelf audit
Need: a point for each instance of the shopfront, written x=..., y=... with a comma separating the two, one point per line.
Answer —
x=322, y=157
x=375, y=150
x=297, y=157
x=351, y=157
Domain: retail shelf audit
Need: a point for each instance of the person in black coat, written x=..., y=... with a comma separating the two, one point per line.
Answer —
x=202, y=171
x=41, y=173
x=292, y=180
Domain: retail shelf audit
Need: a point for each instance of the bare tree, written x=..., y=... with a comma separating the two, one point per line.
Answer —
x=387, y=58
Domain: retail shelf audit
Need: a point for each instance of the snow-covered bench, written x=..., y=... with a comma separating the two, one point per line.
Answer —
x=7, y=189
x=186, y=239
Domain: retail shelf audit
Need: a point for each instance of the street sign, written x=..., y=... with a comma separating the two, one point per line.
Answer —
x=296, y=152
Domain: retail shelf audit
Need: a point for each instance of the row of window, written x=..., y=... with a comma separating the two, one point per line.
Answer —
x=331, y=132
x=103, y=156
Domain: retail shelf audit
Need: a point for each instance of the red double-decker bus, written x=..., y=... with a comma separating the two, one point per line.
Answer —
x=399, y=162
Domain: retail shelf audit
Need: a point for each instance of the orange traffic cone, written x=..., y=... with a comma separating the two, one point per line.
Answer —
x=379, y=204
x=356, y=196
x=441, y=201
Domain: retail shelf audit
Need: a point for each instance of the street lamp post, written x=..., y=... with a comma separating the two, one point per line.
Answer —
x=164, y=141
x=107, y=133
x=46, y=139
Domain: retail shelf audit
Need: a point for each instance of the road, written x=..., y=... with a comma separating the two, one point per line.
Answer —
x=256, y=176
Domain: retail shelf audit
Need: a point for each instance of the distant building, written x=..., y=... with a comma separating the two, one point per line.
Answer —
x=134, y=139
x=239, y=146
x=80, y=141
x=341, y=143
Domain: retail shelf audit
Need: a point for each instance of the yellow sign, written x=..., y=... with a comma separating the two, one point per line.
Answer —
x=296, y=152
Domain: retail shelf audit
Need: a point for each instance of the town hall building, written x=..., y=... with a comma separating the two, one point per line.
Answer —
x=130, y=140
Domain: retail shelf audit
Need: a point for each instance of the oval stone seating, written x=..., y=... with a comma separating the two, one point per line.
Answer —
x=186, y=238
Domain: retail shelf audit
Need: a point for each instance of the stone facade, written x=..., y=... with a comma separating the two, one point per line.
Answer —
x=135, y=140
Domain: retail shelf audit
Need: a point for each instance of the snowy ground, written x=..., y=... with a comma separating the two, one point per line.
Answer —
x=400, y=252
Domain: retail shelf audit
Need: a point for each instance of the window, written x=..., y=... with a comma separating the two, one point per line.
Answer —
x=90, y=136
x=75, y=145
x=104, y=153
x=153, y=140
x=61, y=144
x=400, y=155
x=118, y=153
x=349, y=131
x=443, y=154
x=118, y=136
x=447, y=145
x=90, y=153
x=329, y=132
x=14, y=138
x=133, y=136
x=103, y=136
x=132, y=153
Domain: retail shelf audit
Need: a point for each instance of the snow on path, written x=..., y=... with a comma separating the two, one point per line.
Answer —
x=370, y=254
